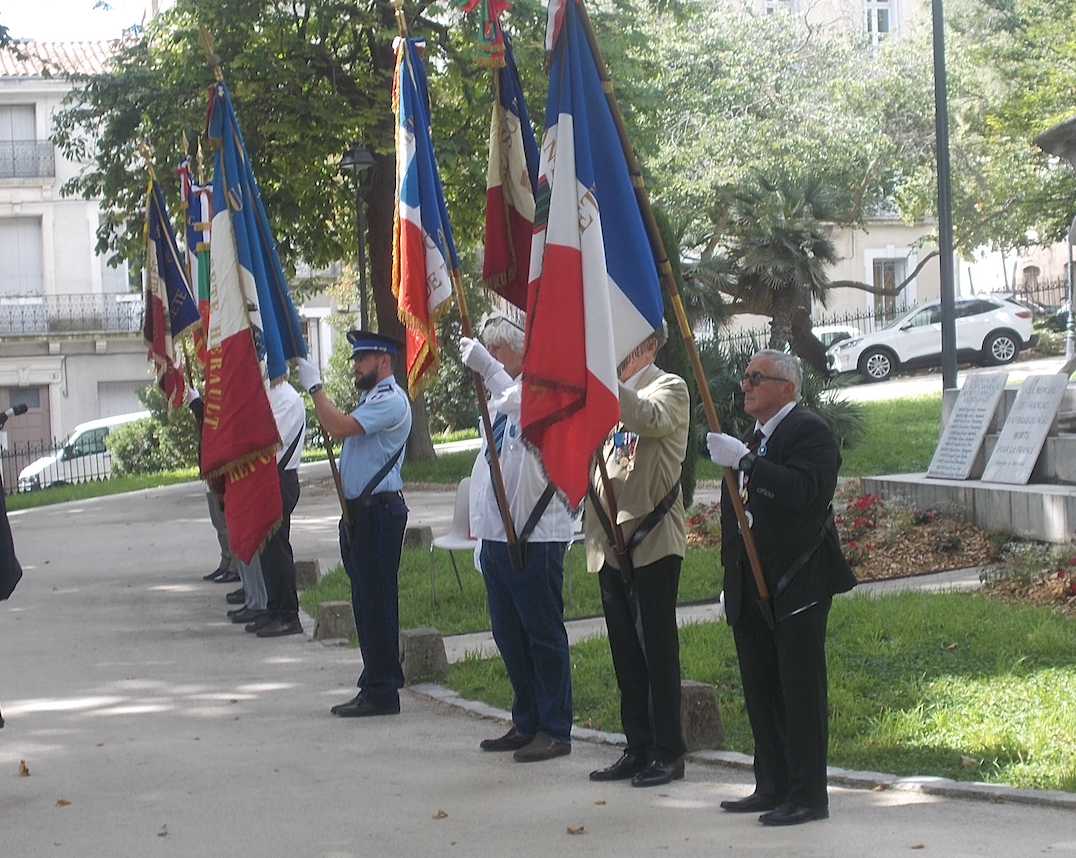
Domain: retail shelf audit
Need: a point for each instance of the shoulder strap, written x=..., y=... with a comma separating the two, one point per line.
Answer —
x=282, y=462
x=378, y=477
x=536, y=513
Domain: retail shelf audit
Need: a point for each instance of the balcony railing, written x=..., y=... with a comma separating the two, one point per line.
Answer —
x=27, y=159
x=71, y=314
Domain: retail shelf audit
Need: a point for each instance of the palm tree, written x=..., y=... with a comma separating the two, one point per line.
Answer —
x=776, y=249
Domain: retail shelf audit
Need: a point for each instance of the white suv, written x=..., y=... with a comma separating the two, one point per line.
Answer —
x=989, y=330
x=81, y=457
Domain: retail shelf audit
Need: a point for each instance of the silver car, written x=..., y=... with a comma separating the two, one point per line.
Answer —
x=989, y=330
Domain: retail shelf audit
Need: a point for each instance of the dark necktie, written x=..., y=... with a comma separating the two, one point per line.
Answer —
x=499, y=424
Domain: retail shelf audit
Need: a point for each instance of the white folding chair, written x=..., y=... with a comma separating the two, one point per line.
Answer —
x=458, y=537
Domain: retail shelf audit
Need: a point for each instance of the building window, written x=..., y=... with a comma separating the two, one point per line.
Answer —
x=774, y=6
x=22, y=155
x=888, y=274
x=21, y=265
x=879, y=18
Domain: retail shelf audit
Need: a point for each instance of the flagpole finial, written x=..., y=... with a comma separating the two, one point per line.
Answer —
x=143, y=148
x=401, y=21
x=205, y=39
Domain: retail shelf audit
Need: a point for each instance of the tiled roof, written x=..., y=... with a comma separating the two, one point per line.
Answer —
x=29, y=59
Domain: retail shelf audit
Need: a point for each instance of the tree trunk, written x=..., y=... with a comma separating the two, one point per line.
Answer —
x=806, y=345
x=781, y=312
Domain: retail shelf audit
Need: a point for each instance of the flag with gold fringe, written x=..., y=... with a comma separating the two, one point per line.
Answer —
x=423, y=252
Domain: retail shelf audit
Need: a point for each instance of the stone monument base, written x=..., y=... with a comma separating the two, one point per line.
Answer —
x=1037, y=511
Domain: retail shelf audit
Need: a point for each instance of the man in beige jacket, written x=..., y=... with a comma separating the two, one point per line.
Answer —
x=639, y=567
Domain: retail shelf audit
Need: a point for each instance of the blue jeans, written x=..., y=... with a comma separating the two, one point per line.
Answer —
x=527, y=613
x=372, y=562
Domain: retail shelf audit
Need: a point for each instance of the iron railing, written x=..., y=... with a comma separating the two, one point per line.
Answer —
x=27, y=159
x=112, y=313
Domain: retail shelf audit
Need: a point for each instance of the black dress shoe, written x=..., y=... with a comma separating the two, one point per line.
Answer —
x=278, y=628
x=245, y=615
x=363, y=708
x=228, y=576
x=793, y=814
x=236, y=597
x=628, y=766
x=658, y=774
x=336, y=709
x=542, y=748
x=513, y=740
x=754, y=803
x=258, y=623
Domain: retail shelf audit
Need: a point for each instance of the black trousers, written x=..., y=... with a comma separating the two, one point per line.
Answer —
x=278, y=562
x=645, y=645
x=784, y=684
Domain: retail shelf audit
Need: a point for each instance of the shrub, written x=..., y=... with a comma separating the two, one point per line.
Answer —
x=160, y=442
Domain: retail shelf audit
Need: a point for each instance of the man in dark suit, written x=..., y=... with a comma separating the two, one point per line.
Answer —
x=788, y=473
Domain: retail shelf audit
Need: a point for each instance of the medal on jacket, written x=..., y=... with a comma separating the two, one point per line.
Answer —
x=624, y=448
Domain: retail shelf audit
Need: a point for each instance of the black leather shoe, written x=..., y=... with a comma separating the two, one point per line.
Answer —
x=236, y=597
x=542, y=748
x=658, y=774
x=245, y=615
x=362, y=708
x=212, y=575
x=754, y=803
x=226, y=577
x=336, y=709
x=793, y=814
x=258, y=623
x=278, y=628
x=628, y=766
x=513, y=740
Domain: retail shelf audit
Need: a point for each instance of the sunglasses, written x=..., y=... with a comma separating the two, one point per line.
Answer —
x=756, y=378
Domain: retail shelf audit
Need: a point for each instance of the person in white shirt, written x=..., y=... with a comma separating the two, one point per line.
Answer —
x=524, y=581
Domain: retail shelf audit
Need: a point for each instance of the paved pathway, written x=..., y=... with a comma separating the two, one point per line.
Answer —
x=170, y=732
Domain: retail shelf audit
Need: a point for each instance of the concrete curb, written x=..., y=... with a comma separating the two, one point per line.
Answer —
x=867, y=781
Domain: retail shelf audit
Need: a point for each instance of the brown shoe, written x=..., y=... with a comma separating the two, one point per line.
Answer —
x=277, y=628
x=510, y=741
x=540, y=748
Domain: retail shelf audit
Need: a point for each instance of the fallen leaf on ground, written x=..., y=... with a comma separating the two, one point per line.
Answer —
x=62, y=802
x=918, y=846
x=440, y=815
x=578, y=830
x=24, y=770
x=880, y=788
x=953, y=645
x=163, y=832
x=600, y=801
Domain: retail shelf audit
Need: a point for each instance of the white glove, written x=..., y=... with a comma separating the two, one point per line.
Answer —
x=191, y=394
x=724, y=449
x=309, y=374
x=476, y=357
x=721, y=613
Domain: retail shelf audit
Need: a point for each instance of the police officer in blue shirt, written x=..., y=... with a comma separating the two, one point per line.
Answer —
x=374, y=435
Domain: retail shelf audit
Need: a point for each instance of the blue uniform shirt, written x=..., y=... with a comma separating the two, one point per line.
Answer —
x=385, y=414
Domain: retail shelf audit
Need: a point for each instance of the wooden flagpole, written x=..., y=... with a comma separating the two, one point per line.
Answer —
x=665, y=272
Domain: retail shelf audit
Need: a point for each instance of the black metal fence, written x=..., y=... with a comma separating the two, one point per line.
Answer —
x=71, y=314
x=13, y=460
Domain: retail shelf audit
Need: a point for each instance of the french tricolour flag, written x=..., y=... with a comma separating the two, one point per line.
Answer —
x=594, y=292
x=423, y=253
x=510, y=180
x=170, y=308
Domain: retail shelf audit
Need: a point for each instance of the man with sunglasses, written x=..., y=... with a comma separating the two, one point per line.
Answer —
x=787, y=468
x=371, y=542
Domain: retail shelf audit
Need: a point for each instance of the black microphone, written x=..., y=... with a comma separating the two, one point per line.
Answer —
x=11, y=412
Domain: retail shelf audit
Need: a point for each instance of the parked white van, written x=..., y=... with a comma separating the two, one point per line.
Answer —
x=81, y=457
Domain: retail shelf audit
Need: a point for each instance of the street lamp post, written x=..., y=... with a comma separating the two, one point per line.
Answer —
x=358, y=160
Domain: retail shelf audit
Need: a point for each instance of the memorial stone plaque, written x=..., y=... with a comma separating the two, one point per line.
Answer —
x=1025, y=429
x=963, y=434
